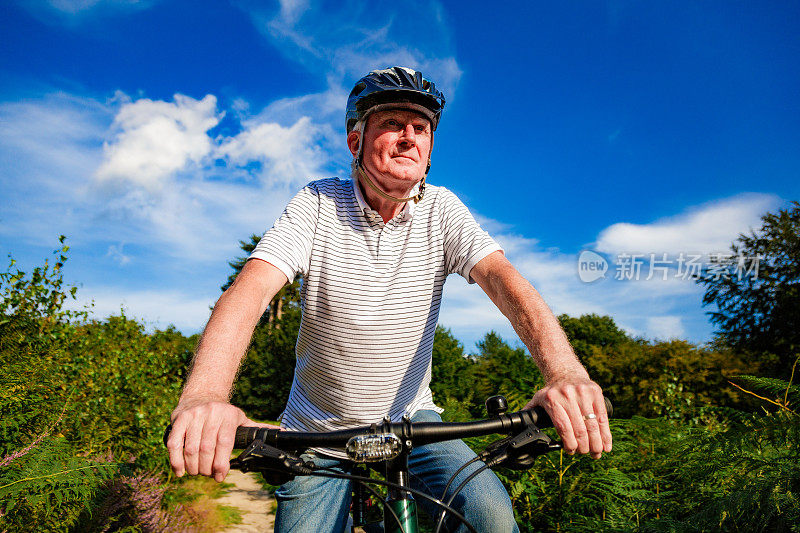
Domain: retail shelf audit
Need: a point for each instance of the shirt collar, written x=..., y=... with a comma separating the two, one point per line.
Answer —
x=405, y=214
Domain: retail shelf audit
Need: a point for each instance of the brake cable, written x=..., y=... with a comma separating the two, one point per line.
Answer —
x=516, y=453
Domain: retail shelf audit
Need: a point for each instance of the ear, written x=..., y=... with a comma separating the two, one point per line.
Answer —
x=353, y=139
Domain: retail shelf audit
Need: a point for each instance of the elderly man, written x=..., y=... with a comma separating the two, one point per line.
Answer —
x=374, y=253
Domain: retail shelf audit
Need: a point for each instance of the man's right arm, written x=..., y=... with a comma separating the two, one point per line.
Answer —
x=204, y=422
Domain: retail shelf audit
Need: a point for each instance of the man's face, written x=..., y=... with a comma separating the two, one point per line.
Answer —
x=397, y=144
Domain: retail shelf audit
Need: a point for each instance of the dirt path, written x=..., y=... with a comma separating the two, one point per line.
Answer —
x=255, y=504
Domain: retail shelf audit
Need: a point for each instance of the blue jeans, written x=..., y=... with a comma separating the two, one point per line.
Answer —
x=315, y=504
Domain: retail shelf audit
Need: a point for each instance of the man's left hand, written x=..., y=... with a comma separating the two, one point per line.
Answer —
x=570, y=404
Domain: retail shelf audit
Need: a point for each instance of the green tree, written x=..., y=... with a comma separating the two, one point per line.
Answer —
x=265, y=378
x=450, y=368
x=591, y=331
x=674, y=379
x=288, y=294
x=501, y=369
x=758, y=304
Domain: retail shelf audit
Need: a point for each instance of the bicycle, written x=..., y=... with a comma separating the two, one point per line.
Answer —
x=276, y=454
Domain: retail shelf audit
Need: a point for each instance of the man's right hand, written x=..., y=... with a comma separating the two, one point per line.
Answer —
x=201, y=440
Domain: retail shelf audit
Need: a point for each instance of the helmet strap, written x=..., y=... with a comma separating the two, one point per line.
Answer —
x=371, y=184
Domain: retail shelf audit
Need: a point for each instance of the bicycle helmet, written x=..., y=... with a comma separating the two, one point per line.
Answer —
x=382, y=89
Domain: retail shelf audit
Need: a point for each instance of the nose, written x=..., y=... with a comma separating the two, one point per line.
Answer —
x=409, y=135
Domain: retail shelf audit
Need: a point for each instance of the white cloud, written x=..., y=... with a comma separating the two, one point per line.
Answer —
x=665, y=327
x=708, y=228
x=289, y=154
x=154, y=139
x=196, y=193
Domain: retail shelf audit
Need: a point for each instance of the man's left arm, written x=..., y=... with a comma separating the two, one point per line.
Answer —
x=569, y=393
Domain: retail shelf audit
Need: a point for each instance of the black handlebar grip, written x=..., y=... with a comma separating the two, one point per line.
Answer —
x=244, y=436
x=540, y=417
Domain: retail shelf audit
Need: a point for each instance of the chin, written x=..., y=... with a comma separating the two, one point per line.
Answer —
x=408, y=178
x=408, y=174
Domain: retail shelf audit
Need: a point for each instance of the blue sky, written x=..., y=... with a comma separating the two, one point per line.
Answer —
x=156, y=134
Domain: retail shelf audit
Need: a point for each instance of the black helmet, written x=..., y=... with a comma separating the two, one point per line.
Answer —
x=381, y=89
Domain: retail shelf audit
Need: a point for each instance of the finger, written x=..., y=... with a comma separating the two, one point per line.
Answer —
x=191, y=446
x=252, y=423
x=563, y=424
x=208, y=446
x=578, y=425
x=175, y=447
x=602, y=420
x=588, y=406
x=222, y=455
x=264, y=425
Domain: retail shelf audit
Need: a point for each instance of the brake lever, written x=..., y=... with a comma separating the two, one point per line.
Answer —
x=277, y=467
x=519, y=452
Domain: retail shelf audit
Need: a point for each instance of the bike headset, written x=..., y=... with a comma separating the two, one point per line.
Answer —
x=392, y=88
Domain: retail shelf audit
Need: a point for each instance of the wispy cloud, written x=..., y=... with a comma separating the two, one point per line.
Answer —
x=155, y=308
x=346, y=40
x=115, y=251
x=71, y=13
x=49, y=149
x=665, y=327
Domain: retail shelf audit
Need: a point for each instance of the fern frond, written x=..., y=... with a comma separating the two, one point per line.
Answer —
x=50, y=476
x=777, y=388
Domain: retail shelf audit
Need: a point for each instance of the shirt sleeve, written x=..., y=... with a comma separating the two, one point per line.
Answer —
x=465, y=242
x=287, y=245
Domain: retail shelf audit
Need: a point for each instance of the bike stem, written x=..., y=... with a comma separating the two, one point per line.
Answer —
x=400, y=501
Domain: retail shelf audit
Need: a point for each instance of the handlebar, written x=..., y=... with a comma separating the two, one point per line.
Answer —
x=276, y=453
x=419, y=433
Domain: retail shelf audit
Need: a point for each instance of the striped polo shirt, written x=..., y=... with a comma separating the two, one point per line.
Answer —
x=370, y=299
